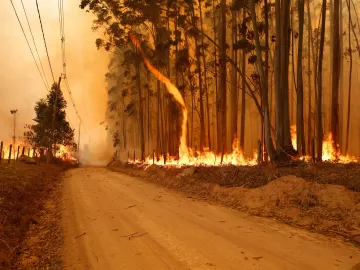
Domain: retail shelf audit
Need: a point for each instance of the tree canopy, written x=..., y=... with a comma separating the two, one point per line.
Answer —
x=41, y=134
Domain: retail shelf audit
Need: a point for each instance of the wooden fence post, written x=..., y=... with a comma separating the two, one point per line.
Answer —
x=17, y=154
x=154, y=156
x=164, y=158
x=134, y=156
x=23, y=151
x=10, y=153
x=29, y=152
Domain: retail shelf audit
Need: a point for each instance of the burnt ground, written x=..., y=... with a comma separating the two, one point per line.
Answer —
x=324, y=198
x=24, y=191
x=347, y=175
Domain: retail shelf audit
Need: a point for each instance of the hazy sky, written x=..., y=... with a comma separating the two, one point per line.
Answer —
x=21, y=85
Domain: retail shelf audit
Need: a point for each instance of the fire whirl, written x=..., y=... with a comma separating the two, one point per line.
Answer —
x=188, y=156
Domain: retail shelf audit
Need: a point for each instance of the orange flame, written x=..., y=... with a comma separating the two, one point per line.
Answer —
x=183, y=150
x=188, y=156
x=328, y=152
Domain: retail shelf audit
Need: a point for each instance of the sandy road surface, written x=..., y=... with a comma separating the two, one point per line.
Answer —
x=113, y=221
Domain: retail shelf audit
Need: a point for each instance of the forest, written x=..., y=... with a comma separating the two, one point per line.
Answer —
x=277, y=76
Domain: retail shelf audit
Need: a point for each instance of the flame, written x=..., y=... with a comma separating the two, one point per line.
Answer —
x=65, y=153
x=183, y=150
x=6, y=149
x=293, y=136
x=328, y=152
x=188, y=156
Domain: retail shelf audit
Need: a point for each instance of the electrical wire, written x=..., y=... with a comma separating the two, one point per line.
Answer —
x=63, y=49
x=27, y=41
x=42, y=68
x=42, y=30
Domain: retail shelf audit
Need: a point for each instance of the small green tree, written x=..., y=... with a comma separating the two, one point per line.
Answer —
x=40, y=134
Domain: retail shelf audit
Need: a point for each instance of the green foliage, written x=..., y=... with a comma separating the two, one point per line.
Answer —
x=40, y=134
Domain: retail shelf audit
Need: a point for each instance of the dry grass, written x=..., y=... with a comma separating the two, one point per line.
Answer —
x=23, y=190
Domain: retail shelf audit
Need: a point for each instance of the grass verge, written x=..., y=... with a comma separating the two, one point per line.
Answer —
x=23, y=192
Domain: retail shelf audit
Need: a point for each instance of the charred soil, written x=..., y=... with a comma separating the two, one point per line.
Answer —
x=25, y=191
x=324, y=198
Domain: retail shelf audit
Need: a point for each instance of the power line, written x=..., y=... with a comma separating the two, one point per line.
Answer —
x=42, y=68
x=63, y=49
x=42, y=30
x=27, y=41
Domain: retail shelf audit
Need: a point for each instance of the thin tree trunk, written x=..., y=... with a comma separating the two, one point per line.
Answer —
x=234, y=84
x=201, y=89
x=205, y=79
x=300, y=135
x=309, y=78
x=285, y=40
x=341, y=80
x=319, y=92
x=350, y=81
x=278, y=88
x=218, y=115
x=263, y=83
x=335, y=77
x=141, y=112
x=266, y=74
x=223, y=73
x=243, y=100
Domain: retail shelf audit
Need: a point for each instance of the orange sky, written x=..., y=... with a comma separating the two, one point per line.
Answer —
x=21, y=85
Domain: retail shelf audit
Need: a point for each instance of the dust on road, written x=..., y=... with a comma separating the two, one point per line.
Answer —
x=114, y=221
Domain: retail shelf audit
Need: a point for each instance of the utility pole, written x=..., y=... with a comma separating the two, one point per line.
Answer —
x=13, y=112
x=53, y=122
x=79, y=142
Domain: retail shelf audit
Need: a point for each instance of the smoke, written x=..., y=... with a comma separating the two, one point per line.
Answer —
x=21, y=83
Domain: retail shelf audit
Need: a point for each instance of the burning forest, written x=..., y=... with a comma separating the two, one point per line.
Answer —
x=209, y=83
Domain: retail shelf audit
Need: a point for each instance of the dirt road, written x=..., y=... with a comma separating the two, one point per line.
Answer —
x=113, y=221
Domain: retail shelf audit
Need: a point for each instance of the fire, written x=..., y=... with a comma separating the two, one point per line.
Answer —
x=328, y=152
x=188, y=156
x=183, y=150
x=65, y=153
x=14, y=150
x=293, y=136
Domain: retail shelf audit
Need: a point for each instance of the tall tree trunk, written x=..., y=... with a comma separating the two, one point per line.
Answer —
x=341, y=80
x=300, y=134
x=201, y=89
x=279, y=127
x=243, y=92
x=266, y=9
x=319, y=92
x=335, y=76
x=205, y=78
x=223, y=73
x=217, y=91
x=285, y=47
x=234, y=83
x=141, y=111
x=309, y=78
x=158, y=115
x=263, y=83
x=350, y=81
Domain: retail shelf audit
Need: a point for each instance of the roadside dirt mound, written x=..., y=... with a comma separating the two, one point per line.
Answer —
x=325, y=208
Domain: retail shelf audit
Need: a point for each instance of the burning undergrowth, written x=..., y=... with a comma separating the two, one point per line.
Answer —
x=320, y=197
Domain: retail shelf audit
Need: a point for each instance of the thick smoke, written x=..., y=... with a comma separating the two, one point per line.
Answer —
x=21, y=83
